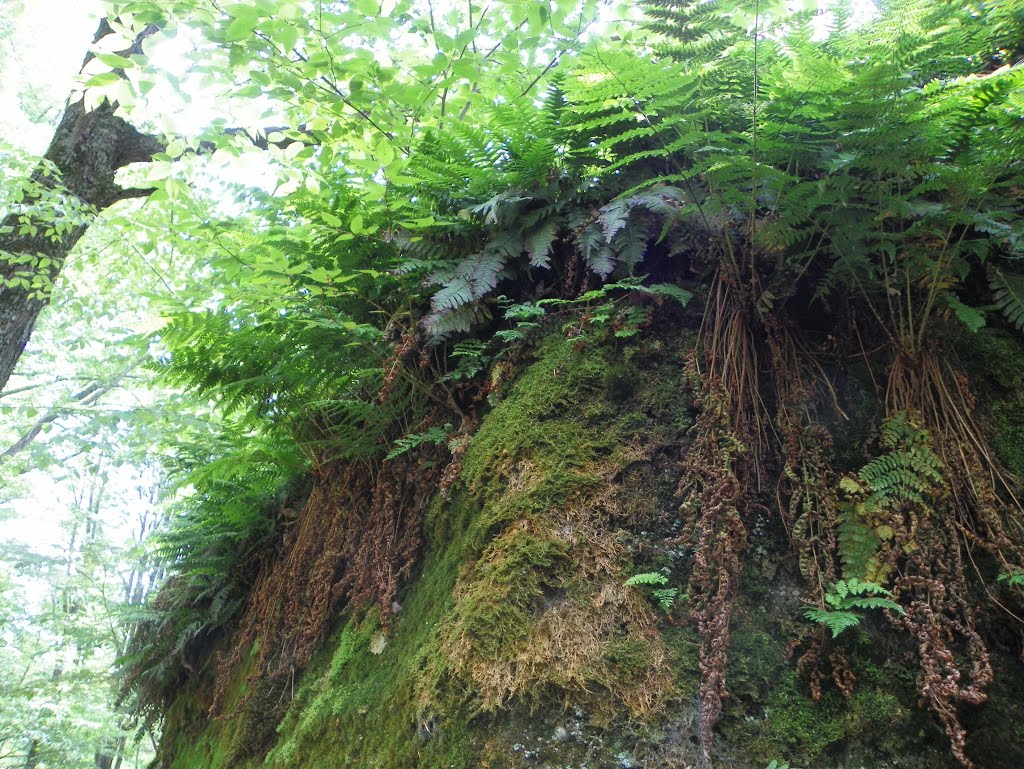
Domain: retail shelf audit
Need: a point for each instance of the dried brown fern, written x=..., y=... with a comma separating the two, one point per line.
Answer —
x=358, y=538
x=976, y=509
x=712, y=494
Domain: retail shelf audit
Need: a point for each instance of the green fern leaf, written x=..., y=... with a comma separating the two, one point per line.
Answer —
x=669, y=291
x=1008, y=295
x=538, y=242
x=407, y=443
x=646, y=578
x=971, y=317
x=874, y=602
x=836, y=621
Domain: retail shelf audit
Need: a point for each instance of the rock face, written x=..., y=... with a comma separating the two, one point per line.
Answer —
x=519, y=645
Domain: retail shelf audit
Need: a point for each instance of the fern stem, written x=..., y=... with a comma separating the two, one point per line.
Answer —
x=941, y=263
x=753, y=153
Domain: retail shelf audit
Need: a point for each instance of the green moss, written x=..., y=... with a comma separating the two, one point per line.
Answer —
x=994, y=359
x=549, y=416
x=493, y=562
x=359, y=708
x=318, y=702
x=995, y=732
x=630, y=658
x=198, y=741
x=807, y=732
x=188, y=743
x=1008, y=439
x=620, y=382
x=496, y=609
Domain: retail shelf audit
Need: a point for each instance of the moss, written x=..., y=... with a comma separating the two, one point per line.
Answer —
x=500, y=590
x=1008, y=438
x=516, y=644
x=318, y=702
x=358, y=708
x=630, y=658
x=534, y=618
x=549, y=416
x=196, y=739
x=994, y=359
x=807, y=732
x=620, y=382
x=996, y=730
x=188, y=742
x=496, y=606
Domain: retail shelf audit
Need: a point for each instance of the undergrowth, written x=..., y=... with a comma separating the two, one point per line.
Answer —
x=839, y=207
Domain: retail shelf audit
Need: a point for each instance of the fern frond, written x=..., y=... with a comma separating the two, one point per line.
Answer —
x=646, y=578
x=407, y=443
x=1008, y=295
x=836, y=621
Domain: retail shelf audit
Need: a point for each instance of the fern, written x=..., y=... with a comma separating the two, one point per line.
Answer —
x=835, y=621
x=1008, y=295
x=1014, y=579
x=521, y=197
x=472, y=357
x=665, y=597
x=882, y=164
x=407, y=443
x=858, y=544
x=972, y=318
x=909, y=472
x=646, y=578
x=846, y=595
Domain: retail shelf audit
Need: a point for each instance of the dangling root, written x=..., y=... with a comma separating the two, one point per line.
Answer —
x=805, y=495
x=721, y=469
x=968, y=513
x=358, y=538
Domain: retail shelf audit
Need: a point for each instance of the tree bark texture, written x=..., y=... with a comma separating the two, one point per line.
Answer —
x=88, y=148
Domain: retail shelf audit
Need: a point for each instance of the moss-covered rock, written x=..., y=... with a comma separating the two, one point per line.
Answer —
x=517, y=645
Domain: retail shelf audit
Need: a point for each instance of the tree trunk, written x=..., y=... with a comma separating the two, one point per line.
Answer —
x=87, y=150
x=32, y=757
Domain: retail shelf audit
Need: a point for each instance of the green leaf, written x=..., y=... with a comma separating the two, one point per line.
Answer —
x=114, y=61
x=102, y=79
x=384, y=152
x=836, y=621
x=670, y=291
x=971, y=317
x=1008, y=294
x=646, y=578
x=286, y=35
x=242, y=25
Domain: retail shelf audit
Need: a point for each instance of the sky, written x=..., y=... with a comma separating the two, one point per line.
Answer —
x=50, y=39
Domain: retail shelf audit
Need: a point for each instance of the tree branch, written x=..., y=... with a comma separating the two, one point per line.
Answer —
x=87, y=396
